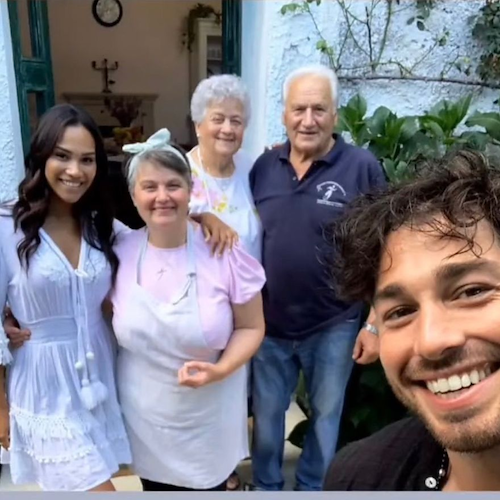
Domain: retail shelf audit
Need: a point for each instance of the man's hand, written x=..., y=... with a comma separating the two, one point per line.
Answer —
x=16, y=335
x=220, y=235
x=4, y=427
x=199, y=373
x=366, y=348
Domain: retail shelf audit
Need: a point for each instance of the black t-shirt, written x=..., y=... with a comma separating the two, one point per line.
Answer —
x=401, y=457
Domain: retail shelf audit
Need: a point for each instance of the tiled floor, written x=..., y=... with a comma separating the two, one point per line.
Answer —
x=131, y=483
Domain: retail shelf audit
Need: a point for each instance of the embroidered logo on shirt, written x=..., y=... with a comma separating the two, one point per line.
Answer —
x=326, y=191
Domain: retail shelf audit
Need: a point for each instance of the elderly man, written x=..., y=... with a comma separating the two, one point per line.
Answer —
x=298, y=189
x=428, y=257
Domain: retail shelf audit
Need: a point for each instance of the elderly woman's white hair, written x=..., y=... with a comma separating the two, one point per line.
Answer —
x=314, y=70
x=215, y=90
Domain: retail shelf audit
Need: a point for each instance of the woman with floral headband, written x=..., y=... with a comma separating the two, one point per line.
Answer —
x=186, y=323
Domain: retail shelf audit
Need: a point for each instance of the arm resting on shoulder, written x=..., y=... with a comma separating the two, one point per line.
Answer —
x=219, y=234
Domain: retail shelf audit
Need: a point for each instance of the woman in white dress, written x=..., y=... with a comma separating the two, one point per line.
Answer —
x=59, y=416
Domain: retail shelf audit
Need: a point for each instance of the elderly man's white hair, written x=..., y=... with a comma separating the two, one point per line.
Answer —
x=216, y=89
x=313, y=70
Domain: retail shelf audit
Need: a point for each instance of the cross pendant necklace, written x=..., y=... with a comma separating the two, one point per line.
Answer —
x=161, y=272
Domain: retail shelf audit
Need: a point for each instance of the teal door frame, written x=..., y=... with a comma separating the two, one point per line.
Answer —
x=33, y=74
x=231, y=36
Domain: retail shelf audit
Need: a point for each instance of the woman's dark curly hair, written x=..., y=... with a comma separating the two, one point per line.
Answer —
x=446, y=197
x=93, y=210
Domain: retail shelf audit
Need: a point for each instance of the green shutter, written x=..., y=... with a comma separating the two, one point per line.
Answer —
x=33, y=74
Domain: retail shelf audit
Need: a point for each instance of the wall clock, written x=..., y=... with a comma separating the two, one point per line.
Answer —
x=107, y=12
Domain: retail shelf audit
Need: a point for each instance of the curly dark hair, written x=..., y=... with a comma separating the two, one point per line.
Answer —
x=447, y=196
x=93, y=210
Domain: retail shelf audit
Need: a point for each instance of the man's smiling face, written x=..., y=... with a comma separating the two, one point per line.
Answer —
x=438, y=310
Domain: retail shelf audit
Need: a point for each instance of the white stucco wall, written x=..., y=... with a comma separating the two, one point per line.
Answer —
x=275, y=44
x=254, y=65
x=11, y=154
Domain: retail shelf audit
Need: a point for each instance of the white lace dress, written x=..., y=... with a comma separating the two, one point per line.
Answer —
x=67, y=432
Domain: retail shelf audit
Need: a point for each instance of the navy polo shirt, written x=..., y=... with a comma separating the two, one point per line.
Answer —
x=298, y=296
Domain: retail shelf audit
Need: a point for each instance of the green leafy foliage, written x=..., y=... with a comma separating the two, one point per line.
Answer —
x=199, y=11
x=400, y=142
x=352, y=119
x=296, y=7
x=489, y=121
x=369, y=406
x=443, y=118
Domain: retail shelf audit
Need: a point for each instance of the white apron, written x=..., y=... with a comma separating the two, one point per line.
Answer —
x=179, y=435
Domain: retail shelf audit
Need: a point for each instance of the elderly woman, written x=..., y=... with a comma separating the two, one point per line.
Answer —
x=186, y=323
x=220, y=109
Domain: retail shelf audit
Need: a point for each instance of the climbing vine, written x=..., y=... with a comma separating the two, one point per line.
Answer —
x=366, y=42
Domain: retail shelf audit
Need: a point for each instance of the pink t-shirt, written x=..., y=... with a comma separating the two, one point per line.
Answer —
x=233, y=278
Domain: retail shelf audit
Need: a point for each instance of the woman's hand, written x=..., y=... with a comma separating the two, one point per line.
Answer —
x=243, y=344
x=199, y=373
x=220, y=235
x=4, y=427
x=16, y=335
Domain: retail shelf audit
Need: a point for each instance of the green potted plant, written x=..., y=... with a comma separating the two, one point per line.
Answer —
x=199, y=11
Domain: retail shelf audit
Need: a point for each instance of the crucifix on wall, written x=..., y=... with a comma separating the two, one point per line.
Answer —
x=105, y=70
